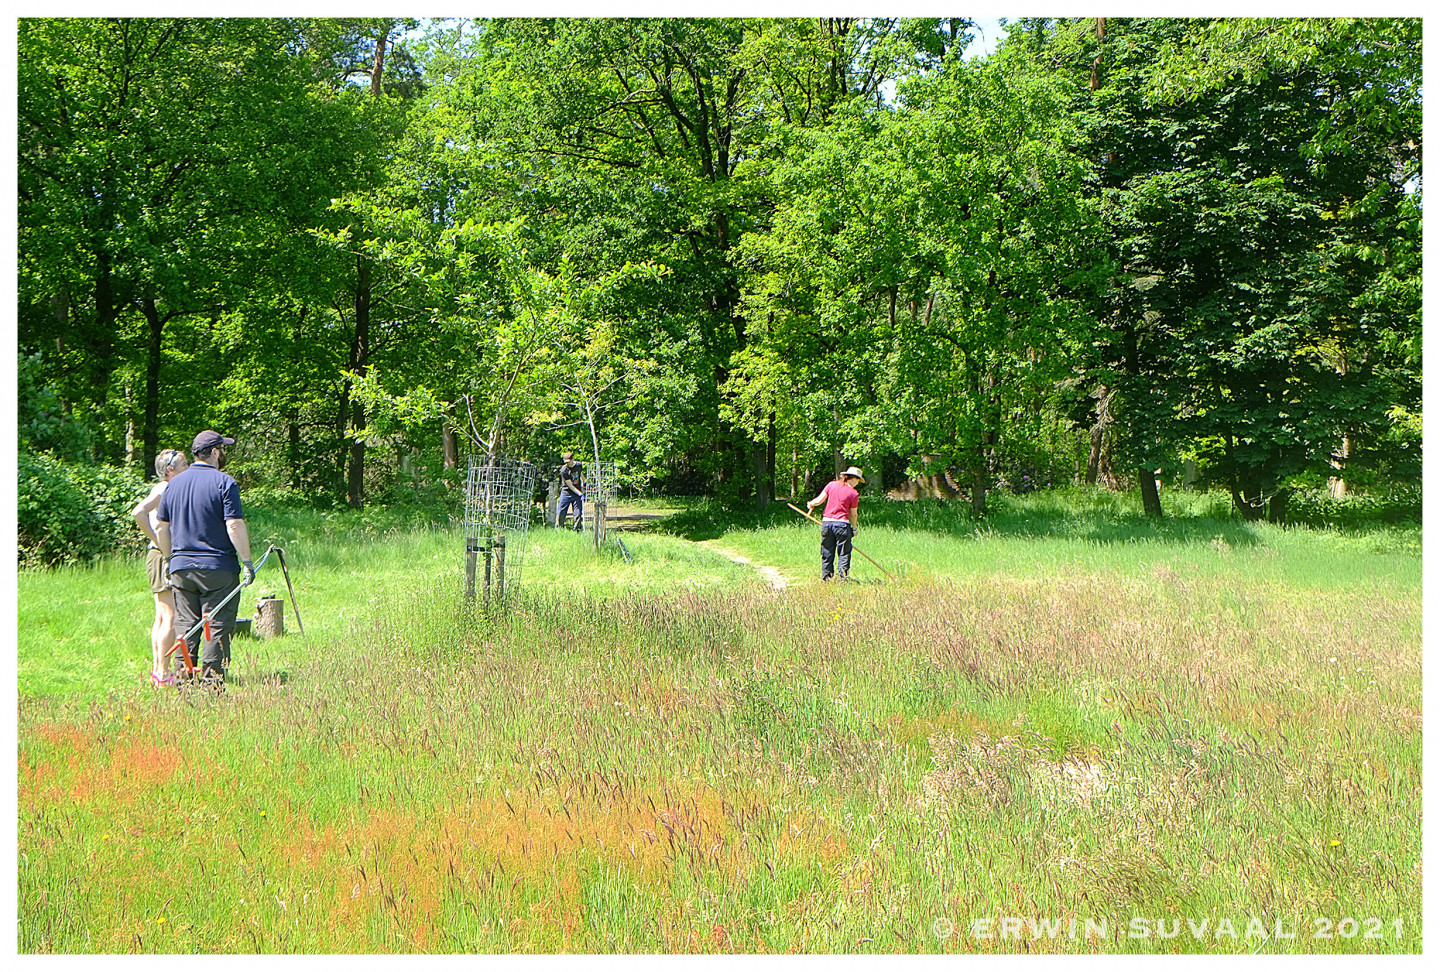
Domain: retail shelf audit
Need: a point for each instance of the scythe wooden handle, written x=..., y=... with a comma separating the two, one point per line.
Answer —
x=852, y=545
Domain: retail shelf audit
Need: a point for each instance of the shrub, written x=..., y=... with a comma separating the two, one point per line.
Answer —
x=41, y=422
x=1398, y=504
x=73, y=512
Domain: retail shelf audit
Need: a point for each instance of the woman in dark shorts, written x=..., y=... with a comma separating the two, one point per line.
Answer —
x=168, y=464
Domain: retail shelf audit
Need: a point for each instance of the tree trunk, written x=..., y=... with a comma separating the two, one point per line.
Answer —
x=377, y=72
x=1099, y=437
x=1279, y=503
x=757, y=472
x=1244, y=495
x=1150, y=493
x=102, y=338
x=449, y=447
x=150, y=426
x=60, y=307
x=100, y=342
x=292, y=448
x=1099, y=53
x=1339, y=488
x=292, y=413
x=1246, y=500
x=1100, y=467
x=129, y=426
x=360, y=349
x=359, y=358
x=1107, y=462
x=342, y=423
x=994, y=421
x=770, y=458
x=979, y=482
x=762, y=456
x=355, y=466
x=1251, y=508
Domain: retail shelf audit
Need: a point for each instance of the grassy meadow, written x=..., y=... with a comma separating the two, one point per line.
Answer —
x=1179, y=733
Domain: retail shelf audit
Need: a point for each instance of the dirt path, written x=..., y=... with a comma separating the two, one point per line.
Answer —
x=773, y=578
x=620, y=517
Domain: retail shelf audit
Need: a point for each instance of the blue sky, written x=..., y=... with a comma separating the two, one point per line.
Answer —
x=989, y=32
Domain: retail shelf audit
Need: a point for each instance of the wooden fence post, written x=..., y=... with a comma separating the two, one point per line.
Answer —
x=471, y=548
x=500, y=566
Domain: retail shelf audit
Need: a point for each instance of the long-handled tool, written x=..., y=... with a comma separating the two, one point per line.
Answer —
x=280, y=552
x=182, y=644
x=852, y=543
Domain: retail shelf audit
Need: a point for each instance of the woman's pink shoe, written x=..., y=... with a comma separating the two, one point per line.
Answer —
x=166, y=679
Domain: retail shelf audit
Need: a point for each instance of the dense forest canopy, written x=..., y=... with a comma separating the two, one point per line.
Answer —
x=727, y=254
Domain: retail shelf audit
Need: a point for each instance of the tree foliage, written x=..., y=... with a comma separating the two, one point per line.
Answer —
x=727, y=253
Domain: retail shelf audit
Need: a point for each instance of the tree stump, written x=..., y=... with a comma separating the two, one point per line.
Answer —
x=269, y=617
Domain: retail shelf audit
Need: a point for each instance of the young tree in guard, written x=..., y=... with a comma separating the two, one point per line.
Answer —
x=498, y=496
x=601, y=476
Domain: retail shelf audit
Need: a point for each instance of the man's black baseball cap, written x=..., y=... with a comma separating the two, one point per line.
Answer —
x=209, y=439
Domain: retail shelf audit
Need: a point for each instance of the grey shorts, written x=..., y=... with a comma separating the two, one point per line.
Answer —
x=155, y=570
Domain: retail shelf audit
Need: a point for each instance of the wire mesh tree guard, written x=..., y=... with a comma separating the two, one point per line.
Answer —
x=600, y=484
x=498, y=495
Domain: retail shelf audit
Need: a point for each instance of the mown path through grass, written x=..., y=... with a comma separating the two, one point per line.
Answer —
x=772, y=576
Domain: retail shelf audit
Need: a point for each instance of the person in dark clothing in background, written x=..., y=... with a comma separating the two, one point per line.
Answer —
x=201, y=529
x=572, y=491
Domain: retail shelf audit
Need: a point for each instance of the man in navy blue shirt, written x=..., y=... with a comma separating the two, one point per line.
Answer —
x=202, y=530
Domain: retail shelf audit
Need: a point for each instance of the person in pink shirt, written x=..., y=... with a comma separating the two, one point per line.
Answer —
x=840, y=522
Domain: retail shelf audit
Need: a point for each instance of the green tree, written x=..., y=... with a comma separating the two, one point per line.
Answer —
x=624, y=140
x=160, y=163
x=1366, y=139
x=1241, y=327
x=925, y=253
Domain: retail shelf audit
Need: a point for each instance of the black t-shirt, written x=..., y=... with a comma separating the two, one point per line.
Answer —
x=572, y=477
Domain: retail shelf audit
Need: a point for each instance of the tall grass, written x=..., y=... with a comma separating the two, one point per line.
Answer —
x=1068, y=532
x=692, y=762
x=85, y=630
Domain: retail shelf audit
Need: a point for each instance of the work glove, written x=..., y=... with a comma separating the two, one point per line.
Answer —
x=165, y=571
x=249, y=571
